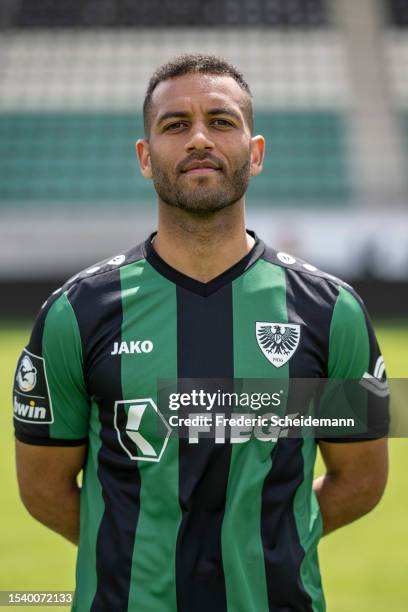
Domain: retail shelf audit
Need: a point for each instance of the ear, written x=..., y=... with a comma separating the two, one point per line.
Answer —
x=257, y=154
x=143, y=155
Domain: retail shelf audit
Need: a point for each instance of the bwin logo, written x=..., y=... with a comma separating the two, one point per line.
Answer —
x=134, y=346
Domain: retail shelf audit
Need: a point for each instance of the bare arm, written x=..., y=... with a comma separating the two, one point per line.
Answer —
x=354, y=483
x=47, y=478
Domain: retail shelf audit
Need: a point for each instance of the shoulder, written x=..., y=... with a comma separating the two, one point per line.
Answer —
x=97, y=279
x=312, y=279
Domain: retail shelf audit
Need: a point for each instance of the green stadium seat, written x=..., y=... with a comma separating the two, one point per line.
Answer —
x=76, y=158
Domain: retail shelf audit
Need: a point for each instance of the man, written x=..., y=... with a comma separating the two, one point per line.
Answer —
x=166, y=525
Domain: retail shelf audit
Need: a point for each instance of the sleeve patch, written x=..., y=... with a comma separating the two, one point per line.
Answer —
x=31, y=396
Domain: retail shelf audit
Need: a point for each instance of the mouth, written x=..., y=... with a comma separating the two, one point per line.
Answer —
x=201, y=171
x=201, y=167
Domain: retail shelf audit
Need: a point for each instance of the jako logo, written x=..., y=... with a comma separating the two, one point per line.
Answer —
x=134, y=346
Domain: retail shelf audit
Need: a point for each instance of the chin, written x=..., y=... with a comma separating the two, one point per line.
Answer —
x=204, y=207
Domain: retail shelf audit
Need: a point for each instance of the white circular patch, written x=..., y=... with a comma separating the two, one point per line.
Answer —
x=116, y=261
x=286, y=258
x=91, y=270
x=26, y=375
x=309, y=267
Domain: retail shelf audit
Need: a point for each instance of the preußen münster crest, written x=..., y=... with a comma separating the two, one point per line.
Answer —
x=277, y=341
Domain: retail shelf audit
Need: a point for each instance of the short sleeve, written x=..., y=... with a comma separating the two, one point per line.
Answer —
x=357, y=384
x=50, y=402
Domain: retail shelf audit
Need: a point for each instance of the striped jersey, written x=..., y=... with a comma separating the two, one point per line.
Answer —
x=167, y=525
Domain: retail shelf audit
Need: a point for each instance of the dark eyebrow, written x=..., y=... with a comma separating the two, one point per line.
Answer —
x=172, y=114
x=222, y=110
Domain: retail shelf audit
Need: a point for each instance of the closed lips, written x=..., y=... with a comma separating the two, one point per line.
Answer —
x=205, y=165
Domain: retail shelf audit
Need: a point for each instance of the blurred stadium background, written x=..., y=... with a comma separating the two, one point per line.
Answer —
x=330, y=85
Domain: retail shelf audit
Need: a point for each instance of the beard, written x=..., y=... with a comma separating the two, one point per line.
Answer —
x=204, y=198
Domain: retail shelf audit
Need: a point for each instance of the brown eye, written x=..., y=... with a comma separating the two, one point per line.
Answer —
x=222, y=123
x=174, y=126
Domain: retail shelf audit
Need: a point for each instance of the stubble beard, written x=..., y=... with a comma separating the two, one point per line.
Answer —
x=203, y=200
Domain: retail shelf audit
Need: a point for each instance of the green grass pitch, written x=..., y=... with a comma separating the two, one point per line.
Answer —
x=364, y=565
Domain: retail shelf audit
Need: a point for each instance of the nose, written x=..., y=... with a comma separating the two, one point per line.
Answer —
x=200, y=139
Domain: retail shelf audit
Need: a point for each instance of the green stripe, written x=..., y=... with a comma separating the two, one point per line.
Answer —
x=349, y=358
x=92, y=509
x=62, y=338
x=260, y=294
x=150, y=313
x=73, y=419
x=349, y=351
x=310, y=527
x=403, y=118
x=305, y=158
x=348, y=354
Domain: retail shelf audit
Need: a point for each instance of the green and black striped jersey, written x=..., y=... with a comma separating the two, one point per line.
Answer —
x=180, y=526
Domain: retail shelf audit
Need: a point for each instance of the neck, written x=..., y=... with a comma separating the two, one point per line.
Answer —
x=202, y=248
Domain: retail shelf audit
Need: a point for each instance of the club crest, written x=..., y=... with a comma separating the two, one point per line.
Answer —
x=277, y=341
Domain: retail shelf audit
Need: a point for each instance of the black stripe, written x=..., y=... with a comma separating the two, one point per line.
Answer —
x=378, y=408
x=98, y=308
x=28, y=439
x=35, y=346
x=282, y=550
x=374, y=348
x=309, y=301
x=205, y=350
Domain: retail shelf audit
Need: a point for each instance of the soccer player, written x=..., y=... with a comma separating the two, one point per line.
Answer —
x=167, y=523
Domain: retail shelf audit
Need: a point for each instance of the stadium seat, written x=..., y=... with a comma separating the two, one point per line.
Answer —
x=153, y=13
x=397, y=12
x=75, y=158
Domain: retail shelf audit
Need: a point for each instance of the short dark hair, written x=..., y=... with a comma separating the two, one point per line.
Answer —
x=195, y=63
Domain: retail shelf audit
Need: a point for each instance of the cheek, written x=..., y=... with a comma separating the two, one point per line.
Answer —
x=165, y=158
x=236, y=150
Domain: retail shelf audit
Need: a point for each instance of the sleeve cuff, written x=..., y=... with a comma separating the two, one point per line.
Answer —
x=27, y=439
x=351, y=440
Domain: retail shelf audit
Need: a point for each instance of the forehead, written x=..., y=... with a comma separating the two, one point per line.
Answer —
x=184, y=92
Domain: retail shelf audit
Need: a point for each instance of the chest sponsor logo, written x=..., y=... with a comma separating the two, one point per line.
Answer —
x=142, y=430
x=277, y=341
x=132, y=347
x=31, y=397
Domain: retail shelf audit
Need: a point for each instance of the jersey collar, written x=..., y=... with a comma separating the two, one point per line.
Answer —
x=204, y=289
